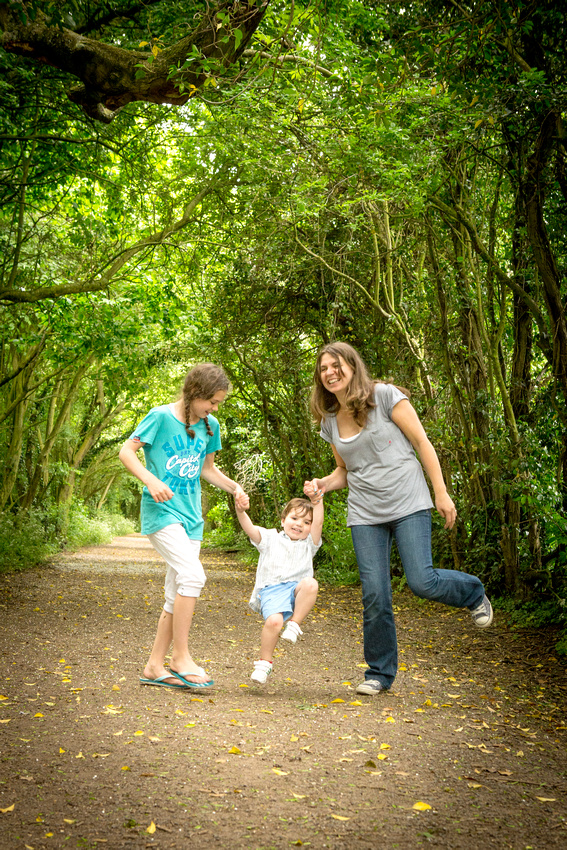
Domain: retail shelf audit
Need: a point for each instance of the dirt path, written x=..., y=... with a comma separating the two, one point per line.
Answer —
x=473, y=731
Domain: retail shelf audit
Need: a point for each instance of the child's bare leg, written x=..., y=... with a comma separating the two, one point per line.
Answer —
x=270, y=635
x=174, y=627
x=305, y=597
x=162, y=641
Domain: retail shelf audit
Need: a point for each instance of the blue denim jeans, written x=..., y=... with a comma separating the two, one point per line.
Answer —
x=372, y=545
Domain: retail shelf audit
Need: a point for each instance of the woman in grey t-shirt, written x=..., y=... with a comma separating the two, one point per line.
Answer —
x=374, y=433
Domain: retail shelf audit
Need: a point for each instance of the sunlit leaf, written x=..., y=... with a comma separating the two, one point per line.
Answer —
x=8, y=809
x=421, y=807
x=152, y=828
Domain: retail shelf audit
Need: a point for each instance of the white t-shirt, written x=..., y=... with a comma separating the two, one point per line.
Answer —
x=281, y=559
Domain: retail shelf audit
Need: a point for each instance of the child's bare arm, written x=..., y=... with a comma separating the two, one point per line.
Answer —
x=247, y=525
x=317, y=524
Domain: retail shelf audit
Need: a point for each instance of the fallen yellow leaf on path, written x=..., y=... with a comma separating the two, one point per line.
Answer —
x=8, y=809
x=279, y=772
x=547, y=799
x=339, y=817
x=152, y=828
x=421, y=807
x=235, y=751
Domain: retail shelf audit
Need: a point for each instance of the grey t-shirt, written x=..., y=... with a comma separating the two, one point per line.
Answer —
x=385, y=478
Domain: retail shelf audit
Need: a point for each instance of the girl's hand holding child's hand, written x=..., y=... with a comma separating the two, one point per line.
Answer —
x=313, y=491
x=241, y=498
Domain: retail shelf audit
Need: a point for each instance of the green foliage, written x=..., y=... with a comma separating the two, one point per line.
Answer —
x=338, y=164
x=25, y=541
x=92, y=529
x=220, y=530
x=335, y=562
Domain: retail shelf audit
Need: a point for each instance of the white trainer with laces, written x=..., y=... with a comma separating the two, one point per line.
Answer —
x=291, y=632
x=483, y=614
x=262, y=669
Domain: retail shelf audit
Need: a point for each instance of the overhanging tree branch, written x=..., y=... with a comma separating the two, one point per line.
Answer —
x=15, y=295
x=112, y=76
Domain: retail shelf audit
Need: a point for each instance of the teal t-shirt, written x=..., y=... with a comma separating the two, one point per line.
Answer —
x=177, y=460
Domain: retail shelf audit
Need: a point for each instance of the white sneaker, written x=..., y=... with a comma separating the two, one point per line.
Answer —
x=483, y=614
x=370, y=687
x=262, y=669
x=291, y=632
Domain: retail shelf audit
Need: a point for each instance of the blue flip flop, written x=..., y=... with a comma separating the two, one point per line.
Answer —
x=161, y=682
x=187, y=683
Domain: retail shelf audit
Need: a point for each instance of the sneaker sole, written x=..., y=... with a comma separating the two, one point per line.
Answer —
x=369, y=691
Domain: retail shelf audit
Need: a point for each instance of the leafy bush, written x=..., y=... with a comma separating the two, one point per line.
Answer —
x=336, y=562
x=95, y=529
x=25, y=541
x=223, y=532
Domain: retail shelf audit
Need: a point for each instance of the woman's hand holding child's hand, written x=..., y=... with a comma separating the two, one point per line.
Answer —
x=313, y=491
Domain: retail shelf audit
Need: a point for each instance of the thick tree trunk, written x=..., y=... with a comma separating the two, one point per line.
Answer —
x=112, y=76
x=534, y=194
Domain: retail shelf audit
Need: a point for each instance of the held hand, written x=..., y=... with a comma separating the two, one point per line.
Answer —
x=447, y=509
x=159, y=491
x=241, y=499
x=313, y=490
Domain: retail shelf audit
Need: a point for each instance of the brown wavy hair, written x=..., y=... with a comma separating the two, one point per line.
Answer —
x=302, y=506
x=202, y=381
x=360, y=391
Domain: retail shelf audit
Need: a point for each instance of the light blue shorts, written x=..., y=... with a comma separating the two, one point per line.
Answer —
x=278, y=599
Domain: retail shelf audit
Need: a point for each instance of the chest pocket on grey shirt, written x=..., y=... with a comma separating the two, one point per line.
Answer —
x=381, y=439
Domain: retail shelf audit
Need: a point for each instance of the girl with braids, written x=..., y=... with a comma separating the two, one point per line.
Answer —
x=179, y=442
x=374, y=433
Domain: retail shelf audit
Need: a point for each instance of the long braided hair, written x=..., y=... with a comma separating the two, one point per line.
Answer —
x=202, y=381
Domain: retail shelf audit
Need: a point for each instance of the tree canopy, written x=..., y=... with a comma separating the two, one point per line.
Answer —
x=392, y=175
